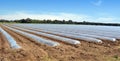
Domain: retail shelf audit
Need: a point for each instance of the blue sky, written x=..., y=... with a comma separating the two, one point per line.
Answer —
x=77, y=10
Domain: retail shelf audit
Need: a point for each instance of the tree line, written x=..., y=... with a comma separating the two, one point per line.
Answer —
x=28, y=20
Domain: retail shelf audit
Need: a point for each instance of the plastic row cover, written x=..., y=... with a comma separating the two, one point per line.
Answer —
x=78, y=37
x=82, y=37
x=36, y=38
x=12, y=42
x=103, y=34
x=67, y=40
x=107, y=35
x=99, y=37
x=108, y=30
x=93, y=36
x=82, y=31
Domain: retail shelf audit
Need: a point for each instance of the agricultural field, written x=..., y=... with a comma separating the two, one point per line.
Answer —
x=55, y=42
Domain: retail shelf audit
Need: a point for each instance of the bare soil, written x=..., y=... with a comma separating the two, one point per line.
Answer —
x=34, y=51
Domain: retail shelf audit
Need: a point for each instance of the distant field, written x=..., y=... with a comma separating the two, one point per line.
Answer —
x=55, y=42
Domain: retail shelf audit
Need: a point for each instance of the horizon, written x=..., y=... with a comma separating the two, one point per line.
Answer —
x=105, y=11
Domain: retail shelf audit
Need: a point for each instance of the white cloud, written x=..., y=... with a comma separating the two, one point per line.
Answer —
x=97, y=3
x=53, y=16
x=61, y=16
x=107, y=19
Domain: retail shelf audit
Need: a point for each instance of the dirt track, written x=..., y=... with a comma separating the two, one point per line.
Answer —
x=34, y=51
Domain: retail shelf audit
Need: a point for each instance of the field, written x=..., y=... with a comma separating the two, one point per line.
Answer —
x=54, y=42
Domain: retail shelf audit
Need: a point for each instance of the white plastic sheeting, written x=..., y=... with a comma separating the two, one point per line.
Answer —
x=86, y=35
x=107, y=31
x=36, y=38
x=110, y=33
x=71, y=36
x=67, y=40
x=95, y=32
x=10, y=39
x=79, y=37
x=90, y=35
x=99, y=37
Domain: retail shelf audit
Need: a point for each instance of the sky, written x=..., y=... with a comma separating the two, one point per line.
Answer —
x=106, y=11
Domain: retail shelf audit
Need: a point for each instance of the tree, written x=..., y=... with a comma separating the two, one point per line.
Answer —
x=70, y=22
x=28, y=20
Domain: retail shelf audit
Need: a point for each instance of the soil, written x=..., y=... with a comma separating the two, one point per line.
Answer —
x=34, y=51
